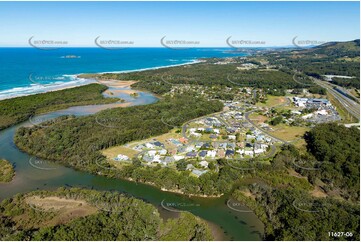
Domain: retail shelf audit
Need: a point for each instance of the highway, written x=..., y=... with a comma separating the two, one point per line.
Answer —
x=351, y=106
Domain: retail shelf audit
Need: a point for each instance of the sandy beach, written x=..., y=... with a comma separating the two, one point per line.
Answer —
x=116, y=83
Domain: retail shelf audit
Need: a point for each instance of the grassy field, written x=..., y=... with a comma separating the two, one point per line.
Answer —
x=6, y=171
x=272, y=101
x=128, y=150
x=346, y=117
x=257, y=118
x=288, y=133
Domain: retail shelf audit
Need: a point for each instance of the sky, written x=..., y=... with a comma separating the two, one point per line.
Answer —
x=209, y=23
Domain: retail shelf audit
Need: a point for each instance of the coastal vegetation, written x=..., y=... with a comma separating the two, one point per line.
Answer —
x=78, y=142
x=6, y=171
x=289, y=192
x=19, y=109
x=94, y=215
x=207, y=73
x=330, y=167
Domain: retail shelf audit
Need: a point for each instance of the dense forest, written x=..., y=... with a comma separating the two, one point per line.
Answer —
x=295, y=215
x=110, y=216
x=207, y=73
x=16, y=110
x=343, y=82
x=331, y=166
x=338, y=148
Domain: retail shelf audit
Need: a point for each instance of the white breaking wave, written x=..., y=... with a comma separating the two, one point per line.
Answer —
x=75, y=81
x=42, y=88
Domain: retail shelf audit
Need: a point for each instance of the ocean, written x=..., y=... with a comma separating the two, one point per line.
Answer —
x=25, y=71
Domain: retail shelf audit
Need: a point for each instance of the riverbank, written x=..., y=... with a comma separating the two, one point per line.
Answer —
x=19, y=109
x=176, y=191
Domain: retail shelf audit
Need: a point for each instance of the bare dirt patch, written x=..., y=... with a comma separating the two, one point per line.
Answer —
x=64, y=209
x=317, y=192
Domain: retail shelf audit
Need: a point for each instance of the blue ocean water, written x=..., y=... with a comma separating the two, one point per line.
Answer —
x=26, y=71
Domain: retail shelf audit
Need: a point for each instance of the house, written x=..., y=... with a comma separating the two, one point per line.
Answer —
x=147, y=158
x=189, y=148
x=201, y=129
x=181, y=149
x=231, y=130
x=191, y=154
x=204, y=163
x=258, y=149
x=249, y=152
x=231, y=137
x=139, y=147
x=260, y=137
x=198, y=145
x=213, y=136
x=238, y=116
x=307, y=116
x=250, y=137
x=206, y=146
x=158, y=144
x=229, y=153
x=178, y=157
x=209, y=130
x=149, y=146
x=216, y=131
x=203, y=153
x=222, y=145
x=157, y=159
x=168, y=159
x=231, y=145
x=211, y=153
x=121, y=157
x=196, y=134
x=183, y=140
x=240, y=151
x=175, y=142
x=198, y=173
x=162, y=152
x=152, y=152
x=189, y=167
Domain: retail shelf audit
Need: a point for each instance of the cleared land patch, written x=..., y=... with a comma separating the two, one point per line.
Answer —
x=64, y=209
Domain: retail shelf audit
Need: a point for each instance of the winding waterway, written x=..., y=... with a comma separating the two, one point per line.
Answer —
x=236, y=224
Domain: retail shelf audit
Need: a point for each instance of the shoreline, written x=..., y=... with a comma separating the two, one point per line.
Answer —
x=68, y=85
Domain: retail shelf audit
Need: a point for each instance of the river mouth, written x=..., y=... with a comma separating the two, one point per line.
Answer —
x=33, y=174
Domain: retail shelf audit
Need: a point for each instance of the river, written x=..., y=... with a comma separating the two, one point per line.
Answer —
x=236, y=225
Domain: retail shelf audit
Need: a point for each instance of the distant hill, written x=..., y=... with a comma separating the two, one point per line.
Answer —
x=348, y=49
x=332, y=58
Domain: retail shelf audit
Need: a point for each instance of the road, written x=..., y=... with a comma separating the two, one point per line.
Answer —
x=351, y=106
